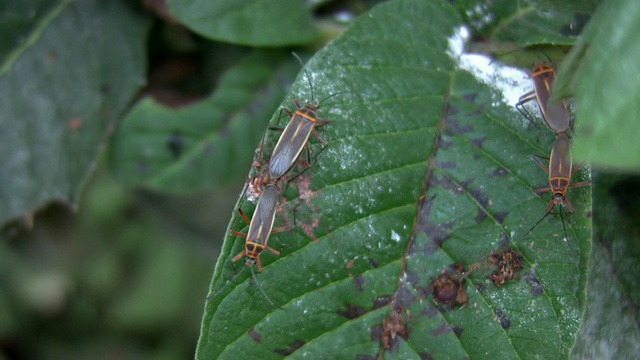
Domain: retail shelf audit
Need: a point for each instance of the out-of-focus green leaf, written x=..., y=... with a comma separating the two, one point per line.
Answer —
x=21, y=23
x=248, y=22
x=610, y=329
x=601, y=71
x=59, y=97
x=198, y=147
x=426, y=166
x=567, y=6
x=517, y=22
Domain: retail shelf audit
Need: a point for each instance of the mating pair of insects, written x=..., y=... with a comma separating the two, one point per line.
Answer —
x=556, y=117
x=294, y=138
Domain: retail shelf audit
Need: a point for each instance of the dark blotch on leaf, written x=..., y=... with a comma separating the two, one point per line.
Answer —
x=442, y=329
x=404, y=296
x=479, y=286
x=457, y=330
x=425, y=356
x=365, y=357
x=480, y=216
x=480, y=197
x=292, y=348
x=532, y=280
x=500, y=216
x=373, y=264
x=358, y=282
x=443, y=144
x=376, y=332
x=352, y=311
x=470, y=98
x=412, y=278
x=382, y=301
x=502, y=319
x=435, y=233
x=176, y=144
x=477, y=142
x=499, y=172
x=452, y=123
x=255, y=336
x=427, y=309
x=446, y=165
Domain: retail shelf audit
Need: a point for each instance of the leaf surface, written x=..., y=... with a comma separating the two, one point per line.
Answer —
x=248, y=22
x=60, y=98
x=428, y=165
x=600, y=73
x=198, y=147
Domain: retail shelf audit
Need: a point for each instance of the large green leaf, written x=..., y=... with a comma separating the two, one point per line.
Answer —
x=427, y=165
x=62, y=88
x=610, y=329
x=600, y=72
x=248, y=22
x=195, y=147
x=517, y=22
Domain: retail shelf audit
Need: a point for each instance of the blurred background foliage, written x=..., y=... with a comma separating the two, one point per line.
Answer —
x=102, y=264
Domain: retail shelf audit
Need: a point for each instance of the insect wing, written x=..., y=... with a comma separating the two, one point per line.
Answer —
x=560, y=163
x=263, y=217
x=555, y=115
x=289, y=146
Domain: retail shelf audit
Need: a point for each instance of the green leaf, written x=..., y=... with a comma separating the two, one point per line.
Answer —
x=248, y=22
x=607, y=97
x=60, y=97
x=427, y=165
x=610, y=329
x=517, y=22
x=196, y=148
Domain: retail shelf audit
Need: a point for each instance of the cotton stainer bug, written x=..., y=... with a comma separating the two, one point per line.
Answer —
x=260, y=228
x=560, y=171
x=293, y=139
x=554, y=114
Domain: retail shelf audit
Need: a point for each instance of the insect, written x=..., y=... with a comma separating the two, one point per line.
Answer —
x=554, y=114
x=294, y=137
x=260, y=228
x=560, y=171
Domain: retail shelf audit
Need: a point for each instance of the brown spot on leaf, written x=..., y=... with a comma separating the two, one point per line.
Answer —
x=448, y=287
x=509, y=265
x=393, y=326
x=255, y=336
